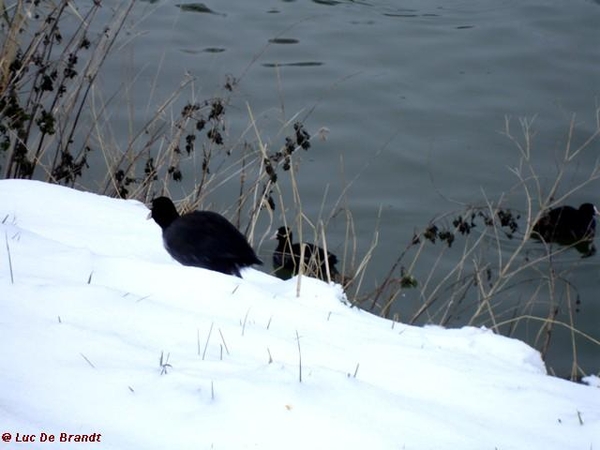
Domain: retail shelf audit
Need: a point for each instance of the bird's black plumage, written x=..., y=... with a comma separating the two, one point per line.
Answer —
x=202, y=239
x=286, y=257
x=566, y=225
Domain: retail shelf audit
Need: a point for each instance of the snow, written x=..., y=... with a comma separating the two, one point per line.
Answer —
x=90, y=300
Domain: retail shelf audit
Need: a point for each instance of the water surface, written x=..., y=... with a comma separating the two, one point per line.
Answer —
x=415, y=96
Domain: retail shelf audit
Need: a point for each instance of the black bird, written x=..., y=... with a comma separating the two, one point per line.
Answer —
x=286, y=258
x=202, y=239
x=566, y=225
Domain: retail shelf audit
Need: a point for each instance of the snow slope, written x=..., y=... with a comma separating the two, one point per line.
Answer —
x=89, y=301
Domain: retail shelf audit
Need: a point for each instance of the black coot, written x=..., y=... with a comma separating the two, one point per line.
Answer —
x=286, y=258
x=202, y=239
x=566, y=225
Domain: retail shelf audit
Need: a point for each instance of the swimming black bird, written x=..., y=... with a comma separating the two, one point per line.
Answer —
x=202, y=239
x=566, y=225
x=286, y=258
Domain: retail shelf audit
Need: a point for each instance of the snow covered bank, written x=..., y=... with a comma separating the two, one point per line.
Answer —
x=90, y=300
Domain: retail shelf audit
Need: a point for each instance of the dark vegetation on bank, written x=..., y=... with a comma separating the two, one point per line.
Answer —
x=52, y=128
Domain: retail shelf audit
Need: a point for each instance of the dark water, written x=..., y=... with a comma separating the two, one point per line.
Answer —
x=415, y=96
